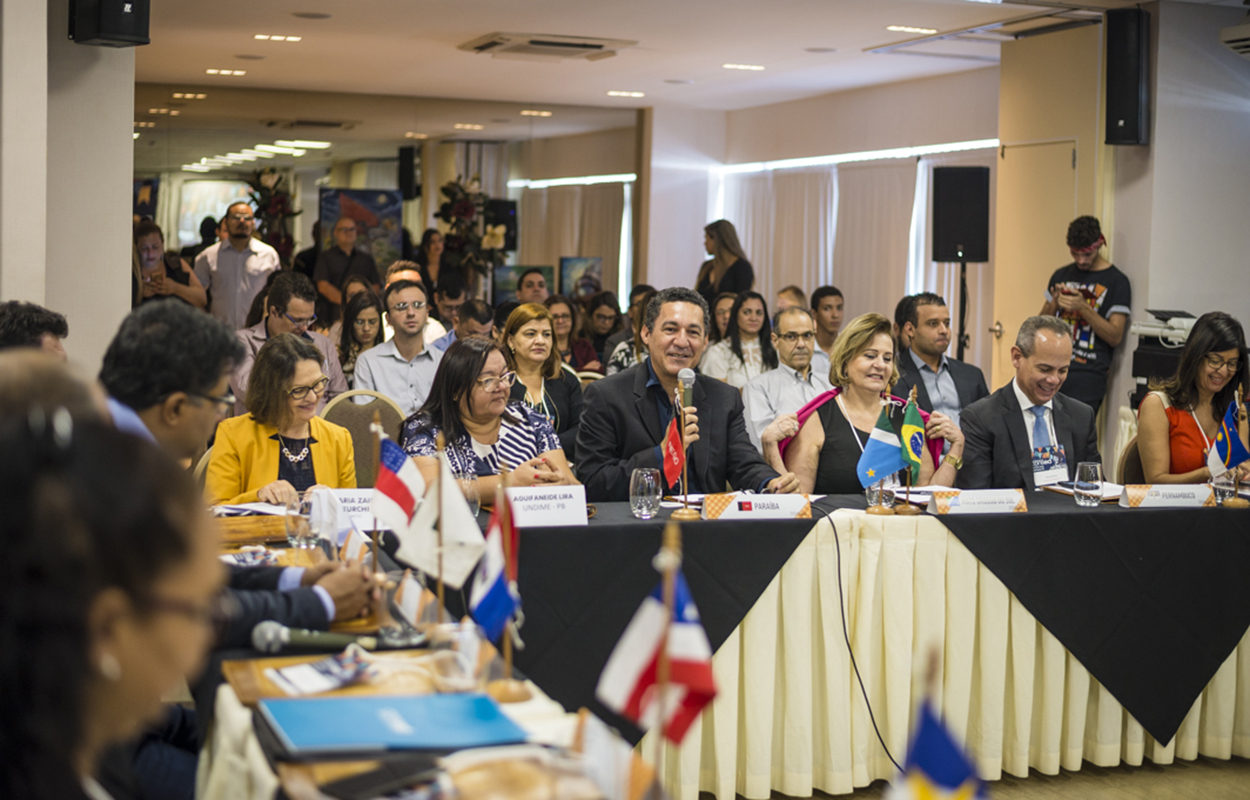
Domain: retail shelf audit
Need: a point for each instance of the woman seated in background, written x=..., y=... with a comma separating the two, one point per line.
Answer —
x=577, y=353
x=1180, y=418
x=632, y=351
x=747, y=349
x=164, y=274
x=833, y=429
x=542, y=382
x=108, y=598
x=361, y=329
x=352, y=286
x=281, y=448
x=432, y=259
x=485, y=432
x=603, y=320
x=720, y=315
x=728, y=269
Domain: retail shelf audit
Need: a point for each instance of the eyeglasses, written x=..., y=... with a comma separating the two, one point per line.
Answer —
x=222, y=403
x=360, y=322
x=214, y=613
x=562, y=317
x=241, y=218
x=300, y=323
x=1216, y=363
x=415, y=305
x=793, y=337
x=300, y=392
x=605, y=317
x=491, y=385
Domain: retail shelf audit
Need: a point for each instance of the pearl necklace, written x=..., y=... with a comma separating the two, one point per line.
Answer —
x=294, y=459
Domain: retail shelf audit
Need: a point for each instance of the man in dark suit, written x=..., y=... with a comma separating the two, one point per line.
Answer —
x=626, y=414
x=1013, y=437
x=942, y=383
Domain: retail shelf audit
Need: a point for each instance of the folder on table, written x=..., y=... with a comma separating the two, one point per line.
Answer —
x=311, y=726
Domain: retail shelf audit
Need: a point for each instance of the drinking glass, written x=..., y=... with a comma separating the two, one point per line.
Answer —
x=1223, y=486
x=882, y=492
x=644, y=493
x=299, y=530
x=1088, y=487
x=467, y=481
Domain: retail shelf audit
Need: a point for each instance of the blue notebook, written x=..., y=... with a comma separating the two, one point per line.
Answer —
x=309, y=726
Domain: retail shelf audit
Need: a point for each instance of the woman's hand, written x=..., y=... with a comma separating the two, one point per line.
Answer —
x=148, y=288
x=278, y=493
x=535, y=472
x=941, y=426
x=163, y=285
x=782, y=427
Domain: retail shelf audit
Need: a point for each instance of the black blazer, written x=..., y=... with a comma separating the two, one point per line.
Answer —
x=256, y=599
x=996, y=443
x=621, y=428
x=565, y=393
x=969, y=382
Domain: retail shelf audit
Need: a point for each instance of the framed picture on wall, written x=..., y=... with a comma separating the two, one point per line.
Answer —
x=504, y=280
x=581, y=277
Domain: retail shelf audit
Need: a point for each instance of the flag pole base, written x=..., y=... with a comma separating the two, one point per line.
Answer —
x=686, y=515
x=1236, y=502
x=884, y=511
x=508, y=690
x=907, y=510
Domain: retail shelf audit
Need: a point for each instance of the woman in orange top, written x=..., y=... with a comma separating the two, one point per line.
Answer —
x=1178, y=420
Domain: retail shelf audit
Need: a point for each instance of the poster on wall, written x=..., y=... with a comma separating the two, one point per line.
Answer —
x=378, y=214
x=504, y=281
x=581, y=277
x=146, y=191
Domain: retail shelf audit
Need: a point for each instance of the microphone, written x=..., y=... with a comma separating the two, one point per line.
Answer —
x=686, y=376
x=272, y=637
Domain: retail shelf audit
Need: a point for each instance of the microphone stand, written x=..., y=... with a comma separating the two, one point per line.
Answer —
x=685, y=513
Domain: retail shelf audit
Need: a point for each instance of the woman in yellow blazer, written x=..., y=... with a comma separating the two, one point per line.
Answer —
x=281, y=448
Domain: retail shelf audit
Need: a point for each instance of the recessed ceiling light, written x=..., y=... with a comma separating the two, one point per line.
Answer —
x=261, y=36
x=910, y=29
x=748, y=67
x=274, y=38
x=309, y=15
x=194, y=168
x=415, y=135
x=467, y=126
x=235, y=72
x=821, y=49
x=200, y=96
x=529, y=112
x=212, y=71
x=136, y=134
x=173, y=112
x=626, y=94
x=177, y=95
x=678, y=81
x=257, y=153
x=269, y=148
x=302, y=143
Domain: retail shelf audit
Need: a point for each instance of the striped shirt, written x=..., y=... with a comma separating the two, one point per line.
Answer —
x=517, y=443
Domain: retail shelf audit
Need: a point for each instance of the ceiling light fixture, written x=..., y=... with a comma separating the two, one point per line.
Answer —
x=910, y=29
x=529, y=112
x=177, y=95
x=302, y=143
x=269, y=148
x=257, y=153
x=626, y=94
x=415, y=135
x=747, y=67
x=310, y=15
x=467, y=126
x=195, y=168
x=821, y=49
x=678, y=81
x=235, y=72
x=136, y=134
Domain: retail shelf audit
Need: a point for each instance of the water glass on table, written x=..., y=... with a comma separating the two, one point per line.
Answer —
x=1088, y=487
x=299, y=529
x=644, y=493
x=467, y=481
x=1223, y=487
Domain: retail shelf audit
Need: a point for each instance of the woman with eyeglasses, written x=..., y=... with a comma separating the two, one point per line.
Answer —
x=578, y=353
x=747, y=349
x=109, y=597
x=542, y=382
x=1179, y=420
x=486, y=433
x=281, y=448
x=362, y=329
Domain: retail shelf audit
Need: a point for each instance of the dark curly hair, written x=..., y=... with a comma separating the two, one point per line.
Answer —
x=1083, y=232
x=348, y=346
x=24, y=324
x=767, y=352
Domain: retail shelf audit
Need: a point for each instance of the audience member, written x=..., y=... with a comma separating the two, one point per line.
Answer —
x=632, y=351
x=305, y=261
x=432, y=258
x=721, y=309
x=289, y=305
x=345, y=258
x=575, y=351
x=352, y=286
x=626, y=415
x=542, y=382
x=942, y=383
x=408, y=271
x=29, y=325
x=1093, y=297
x=403, y=367
x=728, y=269
x=747, y=349
x=791, y=297
x=361, y=330
x=234, y=269
x=1181, y=418
x=827, y=307
x=485, y=433
x=208, y=235
x=776, y=396
x=531, y=286
x=256, y=312
x=30, y=377
x=1026, y=435
x=825, y=452
x=281, y=448
x=449, y=296
x=603, y=319
x=163, y=274
x=475, y=318
x=637, y=307
x=902, y=313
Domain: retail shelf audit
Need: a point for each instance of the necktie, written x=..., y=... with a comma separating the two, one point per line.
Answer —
x=1041, y=433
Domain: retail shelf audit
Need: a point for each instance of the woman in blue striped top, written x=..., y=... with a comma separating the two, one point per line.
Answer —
x=485, y=432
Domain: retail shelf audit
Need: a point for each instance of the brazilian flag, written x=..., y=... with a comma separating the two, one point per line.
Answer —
x=913, y=439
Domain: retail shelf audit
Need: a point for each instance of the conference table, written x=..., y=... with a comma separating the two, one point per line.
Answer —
x=1062, y=634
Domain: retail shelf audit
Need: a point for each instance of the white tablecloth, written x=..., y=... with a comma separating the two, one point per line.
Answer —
x=789, y=716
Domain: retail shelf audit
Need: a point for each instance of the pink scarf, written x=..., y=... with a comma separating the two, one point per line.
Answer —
x=935, y=445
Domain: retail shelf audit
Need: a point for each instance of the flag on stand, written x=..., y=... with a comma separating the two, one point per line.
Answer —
x=462, y=538
x=913, y=438
x=494, y=600
x=627, y=685
x=883, y=455
x=397, y=488
x=936, y=766
x=1228, y=451
x=674, y=452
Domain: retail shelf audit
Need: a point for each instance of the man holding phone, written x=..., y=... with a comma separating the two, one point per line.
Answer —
x=1094, y=297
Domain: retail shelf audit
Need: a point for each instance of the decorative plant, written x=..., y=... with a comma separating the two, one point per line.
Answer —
x=273, y=209
x=480, y=247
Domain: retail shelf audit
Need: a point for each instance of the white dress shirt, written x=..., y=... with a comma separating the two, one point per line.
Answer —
x=1025, y=405
x=820, y=362
x=720, y=362
x=234, y=278
x=776, y=392
x=408, y=383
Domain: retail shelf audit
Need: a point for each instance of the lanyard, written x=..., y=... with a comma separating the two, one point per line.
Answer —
x=1207, y=443
x=847, y=416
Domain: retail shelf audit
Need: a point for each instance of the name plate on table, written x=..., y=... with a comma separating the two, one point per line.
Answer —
x=739, y=505
x=548, y=506
x=978, y=501
x=357, y=504
x=1197, y=495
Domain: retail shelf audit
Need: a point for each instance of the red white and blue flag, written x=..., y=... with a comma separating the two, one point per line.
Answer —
x=398, y=487
x=628, y=683
x=494, y=599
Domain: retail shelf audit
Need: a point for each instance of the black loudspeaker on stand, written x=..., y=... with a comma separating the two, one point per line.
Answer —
x=961, y=228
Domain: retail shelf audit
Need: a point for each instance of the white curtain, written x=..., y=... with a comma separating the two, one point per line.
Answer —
x=562, y=221
x=870, y=256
